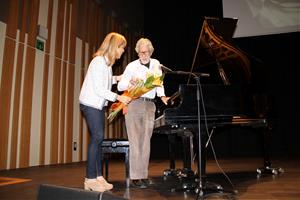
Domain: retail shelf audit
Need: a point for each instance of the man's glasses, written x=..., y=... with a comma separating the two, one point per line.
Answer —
x=142, y=53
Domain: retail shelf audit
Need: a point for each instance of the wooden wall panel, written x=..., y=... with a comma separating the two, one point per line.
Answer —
x=23, y=23
x=65, y=43
x=89, y=36
x=5, y=94
x=49, y=26
x=6, y=80
x=62, y=112
x=73, y=22
x=16, y=106
x=34, y=153
x=12, y=23
x=18, y=85
x=82, y=120
x=70, y=99
x=67, y=32
x=26, y=107
x=77, y=118
x=28, y=85
x=55, y=112
x=43, y=110
x=59, y=29
x=60, y=123
x=32, y=21
x=45, y=86
x=65, y=83
x=2, y=42
x=90, y=22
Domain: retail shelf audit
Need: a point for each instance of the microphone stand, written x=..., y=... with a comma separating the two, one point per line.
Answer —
x=202, y=190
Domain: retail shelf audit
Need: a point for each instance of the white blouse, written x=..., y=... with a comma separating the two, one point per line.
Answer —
x=96, y=88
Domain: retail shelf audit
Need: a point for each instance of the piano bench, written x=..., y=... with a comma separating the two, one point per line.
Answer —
x=110, y=146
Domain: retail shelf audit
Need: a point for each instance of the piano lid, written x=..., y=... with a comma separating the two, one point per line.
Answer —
x=216, y=51
x=224, y=94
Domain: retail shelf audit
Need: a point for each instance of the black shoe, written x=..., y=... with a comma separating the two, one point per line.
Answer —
x=148, y=181
x=138, y=184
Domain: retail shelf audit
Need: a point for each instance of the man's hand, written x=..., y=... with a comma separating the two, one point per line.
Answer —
x=165, y=99
x=133, y=82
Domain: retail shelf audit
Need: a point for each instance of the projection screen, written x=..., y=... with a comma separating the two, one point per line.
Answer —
x=263, y=17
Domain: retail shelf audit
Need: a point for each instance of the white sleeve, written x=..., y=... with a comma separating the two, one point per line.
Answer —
x=126, y=77
x=99, y=78
x=160, y=91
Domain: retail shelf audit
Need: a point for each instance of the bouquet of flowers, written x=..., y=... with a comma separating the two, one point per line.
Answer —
x=135, y=92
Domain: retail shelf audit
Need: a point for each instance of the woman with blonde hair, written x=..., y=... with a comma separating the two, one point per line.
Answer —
x=94, y=96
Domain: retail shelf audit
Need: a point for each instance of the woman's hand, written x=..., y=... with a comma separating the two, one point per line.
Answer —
x=118, y=78
x=124, y=99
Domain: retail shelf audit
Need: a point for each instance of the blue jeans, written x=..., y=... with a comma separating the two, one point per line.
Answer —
x=95, y=122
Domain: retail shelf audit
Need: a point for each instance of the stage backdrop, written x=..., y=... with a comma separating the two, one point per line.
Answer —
x=45, y=48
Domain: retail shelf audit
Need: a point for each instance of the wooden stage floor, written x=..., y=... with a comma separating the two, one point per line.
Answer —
x=24, y=183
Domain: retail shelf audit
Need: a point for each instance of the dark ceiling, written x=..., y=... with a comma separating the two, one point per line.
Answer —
x=129, y=12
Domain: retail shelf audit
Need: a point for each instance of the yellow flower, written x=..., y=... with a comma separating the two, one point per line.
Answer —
x=140, y=88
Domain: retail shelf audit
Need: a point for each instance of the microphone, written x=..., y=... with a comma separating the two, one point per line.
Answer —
x=191, y=73
x=168, y=70
x=165, y=68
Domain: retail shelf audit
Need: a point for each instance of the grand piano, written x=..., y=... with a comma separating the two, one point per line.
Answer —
x=222, y=100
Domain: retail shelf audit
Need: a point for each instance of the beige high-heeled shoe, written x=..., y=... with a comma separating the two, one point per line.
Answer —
x=108, y=186
x=93, y=185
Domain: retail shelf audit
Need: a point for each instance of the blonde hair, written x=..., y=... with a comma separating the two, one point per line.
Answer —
x=144, y=42
x=108, y=48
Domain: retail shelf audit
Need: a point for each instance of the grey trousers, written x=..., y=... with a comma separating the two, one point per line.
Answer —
x=139, y=125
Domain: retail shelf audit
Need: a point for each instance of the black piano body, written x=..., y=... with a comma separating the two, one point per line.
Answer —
x=225, y=100
x=218, y=102
x=221, y=106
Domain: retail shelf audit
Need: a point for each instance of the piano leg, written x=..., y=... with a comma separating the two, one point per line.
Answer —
x=187, y=142
x=184, y=176
x=188, y=153
x=172, y=142
x=267, y=168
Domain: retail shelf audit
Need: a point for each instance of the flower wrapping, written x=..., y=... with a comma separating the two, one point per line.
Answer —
x=135, y=92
